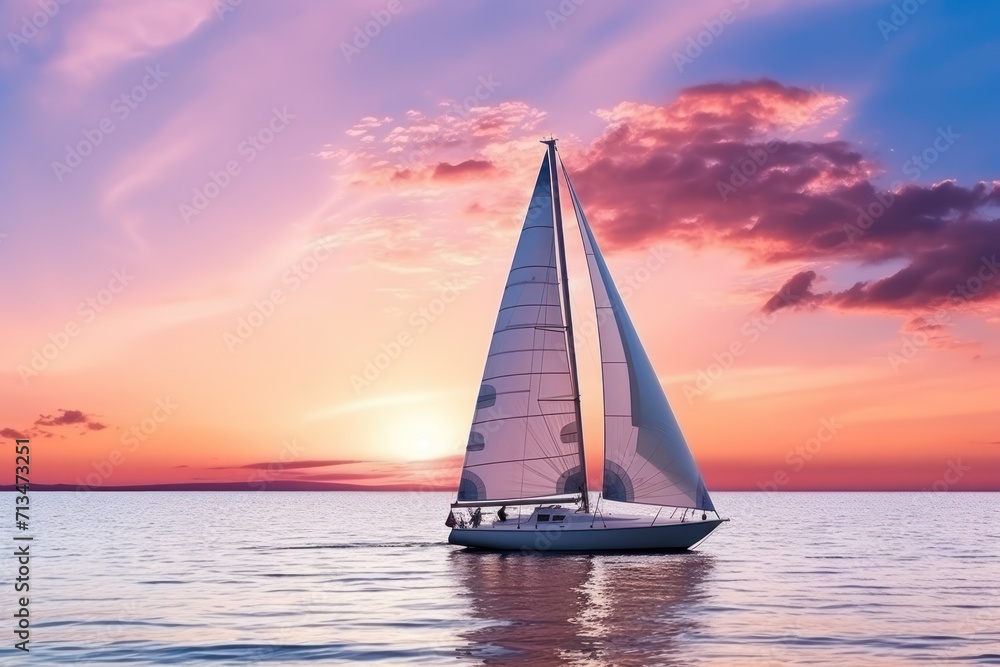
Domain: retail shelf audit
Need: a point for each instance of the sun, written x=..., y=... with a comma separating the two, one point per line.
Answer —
x=418, y=435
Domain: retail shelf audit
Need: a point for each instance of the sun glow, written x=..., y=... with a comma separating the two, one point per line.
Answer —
x=419, y=435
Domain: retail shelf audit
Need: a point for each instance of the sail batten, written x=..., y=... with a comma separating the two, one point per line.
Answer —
x=518, y=445
x=646, y=458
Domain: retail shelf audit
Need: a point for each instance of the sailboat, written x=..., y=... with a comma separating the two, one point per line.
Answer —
x=526, y=445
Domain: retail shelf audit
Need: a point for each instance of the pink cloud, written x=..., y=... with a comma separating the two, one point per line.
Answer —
x=795, y=292
x=710, y=168
x=118, y=30
x=469, y=168
x=422, y=147
x=725, y=164
x=66, y=418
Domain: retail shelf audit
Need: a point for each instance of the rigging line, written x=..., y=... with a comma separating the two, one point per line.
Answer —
x=554, y=162
x=597, y=510
x=589, y=242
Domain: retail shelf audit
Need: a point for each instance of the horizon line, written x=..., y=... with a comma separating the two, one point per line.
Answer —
x=303, y=486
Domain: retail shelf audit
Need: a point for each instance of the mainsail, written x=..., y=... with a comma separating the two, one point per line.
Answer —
x=646, y=459
x=524, y=441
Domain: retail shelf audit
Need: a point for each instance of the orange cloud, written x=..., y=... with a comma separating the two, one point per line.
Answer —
x=469, y=168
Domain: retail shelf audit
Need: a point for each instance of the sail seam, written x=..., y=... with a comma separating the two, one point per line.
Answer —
x=538, y=458
x=515, y=375
x=547, y=414
x=515, y=327
x=528, y=305
x=540, y=349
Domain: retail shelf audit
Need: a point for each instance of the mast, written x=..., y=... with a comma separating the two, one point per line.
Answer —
x=564, y=285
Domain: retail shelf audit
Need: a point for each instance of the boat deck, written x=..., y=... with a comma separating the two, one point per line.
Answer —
x=557, y=518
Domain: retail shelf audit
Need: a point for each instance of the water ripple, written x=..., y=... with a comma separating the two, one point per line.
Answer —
x=302, y=578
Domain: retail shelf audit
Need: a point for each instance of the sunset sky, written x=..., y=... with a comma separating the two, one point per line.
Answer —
x=249, y=242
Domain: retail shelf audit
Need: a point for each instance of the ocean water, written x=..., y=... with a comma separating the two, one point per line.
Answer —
x=331, y=578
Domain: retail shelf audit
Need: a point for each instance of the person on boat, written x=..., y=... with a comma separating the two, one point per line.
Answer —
x=502, y=514
x=477, y=517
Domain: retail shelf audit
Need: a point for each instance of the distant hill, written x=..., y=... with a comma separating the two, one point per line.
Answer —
x=277, y=485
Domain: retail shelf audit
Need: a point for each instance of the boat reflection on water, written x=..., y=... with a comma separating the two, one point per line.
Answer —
x=576, y=610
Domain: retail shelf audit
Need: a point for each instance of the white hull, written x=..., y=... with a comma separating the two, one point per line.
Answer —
x=583, y=534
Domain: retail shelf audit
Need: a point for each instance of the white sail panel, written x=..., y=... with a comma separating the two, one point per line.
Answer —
x=646, y=459
x=523, y=441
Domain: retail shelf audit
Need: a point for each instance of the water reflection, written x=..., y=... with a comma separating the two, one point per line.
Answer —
x=580, y=610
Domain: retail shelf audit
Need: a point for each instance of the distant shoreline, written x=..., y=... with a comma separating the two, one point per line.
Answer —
x=257, y=485
x=322, y=486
